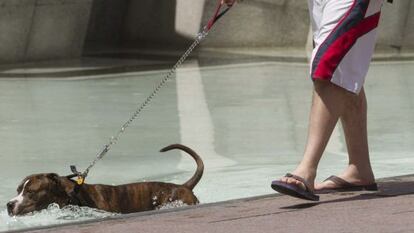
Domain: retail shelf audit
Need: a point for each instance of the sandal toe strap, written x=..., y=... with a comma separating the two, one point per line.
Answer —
x=307, y=186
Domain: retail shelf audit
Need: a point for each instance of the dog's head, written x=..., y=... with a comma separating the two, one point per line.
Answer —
x=37, y=192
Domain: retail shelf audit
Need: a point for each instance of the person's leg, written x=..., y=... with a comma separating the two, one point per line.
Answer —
x=328, y=105
x=343, y=66
x=354, y=123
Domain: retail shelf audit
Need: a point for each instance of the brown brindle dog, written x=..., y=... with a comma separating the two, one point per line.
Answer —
x=36, y=192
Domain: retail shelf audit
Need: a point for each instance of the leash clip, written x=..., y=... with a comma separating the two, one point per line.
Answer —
x=80, y=178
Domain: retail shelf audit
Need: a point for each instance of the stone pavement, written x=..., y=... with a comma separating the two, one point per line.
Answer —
x=391, y=209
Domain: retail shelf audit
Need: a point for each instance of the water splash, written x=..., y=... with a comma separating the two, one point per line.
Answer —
x=54, y=215
x=172, y=204
x=50, y=216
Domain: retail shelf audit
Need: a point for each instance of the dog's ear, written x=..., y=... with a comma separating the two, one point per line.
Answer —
x=63, y=183
x=58, y=189
x=59, y=184
x=55, y=182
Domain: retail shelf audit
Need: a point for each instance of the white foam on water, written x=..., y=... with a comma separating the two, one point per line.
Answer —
x=54, y=215
x=50, y=216
x=172, y=205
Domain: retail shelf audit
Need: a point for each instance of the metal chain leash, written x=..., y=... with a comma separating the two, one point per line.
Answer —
x=114, y=139
x=168, y=76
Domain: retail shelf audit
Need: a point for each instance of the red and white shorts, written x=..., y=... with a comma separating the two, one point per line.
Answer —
x=344, y=34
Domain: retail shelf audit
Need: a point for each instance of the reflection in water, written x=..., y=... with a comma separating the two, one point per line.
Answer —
x=196, y=126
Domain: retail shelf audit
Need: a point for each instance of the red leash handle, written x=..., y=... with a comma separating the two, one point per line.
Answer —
x=217, y=15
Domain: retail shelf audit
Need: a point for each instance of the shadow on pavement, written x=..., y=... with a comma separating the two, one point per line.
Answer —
x=386, y=189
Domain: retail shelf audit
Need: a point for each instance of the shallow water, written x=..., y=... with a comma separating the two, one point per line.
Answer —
x=52, y=215
x=248, y=122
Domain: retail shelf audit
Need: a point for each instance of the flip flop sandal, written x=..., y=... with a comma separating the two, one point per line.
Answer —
x=293, y=189
x=344, y=186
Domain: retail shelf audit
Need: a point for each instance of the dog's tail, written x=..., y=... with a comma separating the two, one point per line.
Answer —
x=191, y=183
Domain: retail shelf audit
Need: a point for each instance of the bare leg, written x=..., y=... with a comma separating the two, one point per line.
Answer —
x=327, y=106
x=354, y=123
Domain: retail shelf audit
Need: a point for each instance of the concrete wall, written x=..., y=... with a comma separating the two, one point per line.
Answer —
x=252, y=23
x=32, y=30
x=153, y=23
x=397, y=26
x=106, y=23
x=264, y=23
x=408, y=41
x=261, y=23
x=42, y=29
x=15, y=23
x=285, y=23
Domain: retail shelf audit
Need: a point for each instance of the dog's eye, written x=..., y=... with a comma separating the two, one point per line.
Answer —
x=29, y=192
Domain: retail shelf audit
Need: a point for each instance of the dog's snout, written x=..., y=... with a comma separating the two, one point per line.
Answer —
x=10, y=207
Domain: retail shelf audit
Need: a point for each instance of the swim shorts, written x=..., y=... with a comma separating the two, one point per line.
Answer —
x=344, y=34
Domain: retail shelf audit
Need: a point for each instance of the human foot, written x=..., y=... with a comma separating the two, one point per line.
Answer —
x=295, y=186
x=337, y=184
x=306, y=175
x=350, y=180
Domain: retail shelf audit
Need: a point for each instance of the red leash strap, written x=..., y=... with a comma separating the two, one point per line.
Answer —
x=217, y=14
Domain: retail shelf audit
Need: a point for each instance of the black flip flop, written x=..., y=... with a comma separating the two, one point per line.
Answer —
x=344, y=186
x=294, y=190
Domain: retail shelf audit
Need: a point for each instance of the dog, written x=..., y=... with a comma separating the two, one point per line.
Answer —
x=37, y=192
